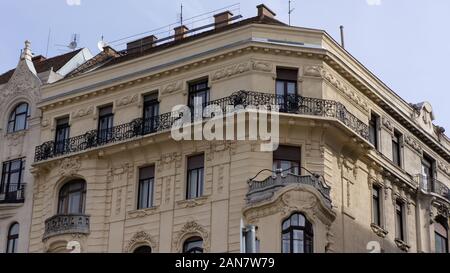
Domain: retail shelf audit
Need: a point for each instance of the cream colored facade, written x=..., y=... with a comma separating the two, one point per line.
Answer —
x=244, y=57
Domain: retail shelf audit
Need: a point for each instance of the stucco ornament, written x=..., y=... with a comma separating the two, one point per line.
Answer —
x=69, y=166
x=127, y=100
x=82, y=112
x=413, y=143
x=141, y=238
x=230, y=71
x=190, y=229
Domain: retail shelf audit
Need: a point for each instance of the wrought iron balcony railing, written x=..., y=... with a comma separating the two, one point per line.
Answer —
x=288, y=104
x=66, y=224
x=264, y=190
x=12, y=193
x=432, y=185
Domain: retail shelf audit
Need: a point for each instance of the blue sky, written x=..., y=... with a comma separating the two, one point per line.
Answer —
x=404, y=42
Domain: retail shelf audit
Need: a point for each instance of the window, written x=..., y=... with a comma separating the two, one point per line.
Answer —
x=151, y=112
x=18, y=118
x=198, y=93
x=195, y=176
x=427, y=173
x=373, y=129
x=12, y=175
x=376, y=206
x=193, y=245
x=62, y=135
x=396, y=149
x=399, y=220
x=286, y=89
x=287, y=158
x=146, y=186
x=297, y=235
x=143, y=249
x=105, y=124
x=13, y=238
x=441, y=238
x=72, y=198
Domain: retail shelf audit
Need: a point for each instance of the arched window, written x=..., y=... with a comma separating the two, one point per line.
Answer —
x=18, y=118
x=72, y=198
x=143, y=249
x=13, y=238
x=441, y=238
x=193, y=245
x=297, y=234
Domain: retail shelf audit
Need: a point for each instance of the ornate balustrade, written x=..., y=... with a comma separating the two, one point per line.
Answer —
x=432, y=185
x=12, y=193
x=66, y=224
x=293, y=104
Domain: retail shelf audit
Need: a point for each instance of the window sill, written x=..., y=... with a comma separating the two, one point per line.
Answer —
x=142, y=212
x=379, y=231
x=16, y=134
x=402, y=245
x=190, y=203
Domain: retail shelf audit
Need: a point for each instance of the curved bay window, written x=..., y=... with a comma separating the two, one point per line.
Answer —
x=441, y=237
x=18, y=118
x=72, y=198
x=143, y=249
x=297, y=235
x=193, y=245
x=13, y=238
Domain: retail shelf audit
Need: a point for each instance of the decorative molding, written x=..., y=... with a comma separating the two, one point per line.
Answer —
x=444, y=167
x=387, y=123
x=45, y=123
x=141, y=213
x=402, y=245
x=16, y=138
x=69, y=166
x=262, y=66
x=191, y=203
x=117, y=172
x=313, y=71
x=191, y=228
x=169, y=161
x=172, y=88
x=127, y=100
x=141, y=238
x=230, y=71
x=379, y=231
x=82, y=112
x=413, y=143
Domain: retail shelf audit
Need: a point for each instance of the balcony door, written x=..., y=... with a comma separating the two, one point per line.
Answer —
x=286, y=89
x=62, y=135
x=198, y=94
x=11, y=181
x=427, y=174
x=151, y=113
x=105, y=124
x=72, y=198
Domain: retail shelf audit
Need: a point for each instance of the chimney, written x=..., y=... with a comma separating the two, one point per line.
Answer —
x=222, y=19
x=141, y=44
x=26, y=52
x=180, y=32
x=264, y=11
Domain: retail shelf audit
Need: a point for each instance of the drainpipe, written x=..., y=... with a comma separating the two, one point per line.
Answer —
x=418, y=224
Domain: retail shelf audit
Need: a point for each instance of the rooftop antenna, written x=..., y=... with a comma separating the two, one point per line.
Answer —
x=180, y=15
x=102, y=44
x=291, y=10
x=342, y=36
x=48, y=41
x=73, y=44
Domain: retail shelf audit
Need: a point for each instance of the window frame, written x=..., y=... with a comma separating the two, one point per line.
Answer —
x=193, y=89
x=196, y=249
x=65, y=128
x=200, y=182
x=106, y=134
x=443, y=237
x=397, y=148
x=400, y=219
x=374, y=124
x=63, y=201
x=378, y=199
x=151, y=188
x=150, y=123
x=5, y=181
x=307, y=230
x=12, y=118
x=12, y=237
x=278, y=160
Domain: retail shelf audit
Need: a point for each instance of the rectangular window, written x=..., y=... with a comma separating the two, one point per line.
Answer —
x=374, y=129
x=195, y=176
x=146, y=187
x=198, y=93
x=62, y=135
x=151, y=113
x=399, y=220
x=12, y=175
x=396, y=148
x=105, y=124
x=287, y=158
x=286, y=89
x=427, y=173
x=376, y=206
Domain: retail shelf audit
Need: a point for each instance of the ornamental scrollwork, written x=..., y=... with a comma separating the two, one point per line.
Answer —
x=413, y=143
x=191, y=228
x=139, y=239
x=69, y=166
x=230, y=71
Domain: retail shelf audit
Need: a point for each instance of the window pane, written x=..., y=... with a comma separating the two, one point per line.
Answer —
x=74, y=202
x=23, y=108
x=298, y=245
x=20, y=122
x=286, y=246
x=291, y=88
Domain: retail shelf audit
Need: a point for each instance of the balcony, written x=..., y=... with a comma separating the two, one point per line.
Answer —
x=12, y=194
x=291, y=104
x=264, y=190
x=66, y=224
x=434, y=186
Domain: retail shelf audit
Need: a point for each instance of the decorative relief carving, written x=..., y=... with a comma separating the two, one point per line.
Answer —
x=220, y=180
x=118, y=201
x=117, y=172
x=413, y=143
x=167, y=185
x=171, y=88
x=379, y=231
x=127, y=100
x=231, y=71
x=69, y=166
x=191, y=228
x=141, y=238
x=141, y=213
x=82, y=112
x=387, y=123
x=402, y=245
x=169, y=161
x=16, y=138
x=336, y=81
x=45, y=123
x=443, y=167
x=190, y=203
x=262, y=66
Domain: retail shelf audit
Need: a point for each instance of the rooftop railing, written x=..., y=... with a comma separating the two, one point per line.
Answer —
x=293, y=104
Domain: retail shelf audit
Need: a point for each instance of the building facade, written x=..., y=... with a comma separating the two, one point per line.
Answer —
x=358, y=169
x=20, y=134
